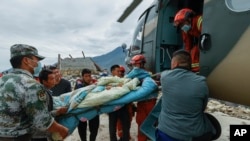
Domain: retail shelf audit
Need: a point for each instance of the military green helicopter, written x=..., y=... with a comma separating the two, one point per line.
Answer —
x=224, y=42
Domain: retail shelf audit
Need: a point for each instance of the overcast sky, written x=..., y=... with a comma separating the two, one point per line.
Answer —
x=65, y=27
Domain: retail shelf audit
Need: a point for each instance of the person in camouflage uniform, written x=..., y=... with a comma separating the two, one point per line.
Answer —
x=23, y=100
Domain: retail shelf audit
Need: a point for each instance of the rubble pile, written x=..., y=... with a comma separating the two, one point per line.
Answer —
x=235, y=110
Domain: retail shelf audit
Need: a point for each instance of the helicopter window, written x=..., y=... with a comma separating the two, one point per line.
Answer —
x=137, y=38
x=238, y=5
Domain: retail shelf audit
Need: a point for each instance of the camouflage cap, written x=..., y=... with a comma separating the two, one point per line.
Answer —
x=22, y=49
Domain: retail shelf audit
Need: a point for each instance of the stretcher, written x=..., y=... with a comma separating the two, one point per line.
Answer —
x=85, y=103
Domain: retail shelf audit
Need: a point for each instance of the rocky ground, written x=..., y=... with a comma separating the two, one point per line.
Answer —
x=226, y=113
x=228, y=108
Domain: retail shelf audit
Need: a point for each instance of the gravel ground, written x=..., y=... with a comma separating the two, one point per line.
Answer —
x=225, y=112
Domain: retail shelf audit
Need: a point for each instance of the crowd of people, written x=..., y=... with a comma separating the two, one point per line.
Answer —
x=25, y=102
x=26, y=96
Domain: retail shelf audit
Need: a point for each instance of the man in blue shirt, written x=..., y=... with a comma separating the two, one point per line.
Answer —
x=184, y=99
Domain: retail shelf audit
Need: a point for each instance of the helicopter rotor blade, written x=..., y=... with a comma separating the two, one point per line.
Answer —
x=129, y=10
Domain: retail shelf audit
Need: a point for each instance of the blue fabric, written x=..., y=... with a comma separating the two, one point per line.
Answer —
x=110, y=108
x=58, y=101
x=138, y=73
x=78, y=98
x=70, y=121
x=98, y=89
x=160, y=136
x=146, y=91
x=87, y=114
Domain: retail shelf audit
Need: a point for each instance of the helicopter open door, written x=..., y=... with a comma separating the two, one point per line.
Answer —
x=225, y=50
x=224, y=45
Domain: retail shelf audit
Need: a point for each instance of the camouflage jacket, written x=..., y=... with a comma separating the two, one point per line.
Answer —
x=23, y=105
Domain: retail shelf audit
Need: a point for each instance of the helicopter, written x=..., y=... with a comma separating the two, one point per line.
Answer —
x=224, y=45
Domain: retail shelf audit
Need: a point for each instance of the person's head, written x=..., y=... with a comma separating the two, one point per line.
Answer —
x=24, y=57
x=183, y=19
x=56, y=71
x=122, y=71
x=115, y=70
x=138, y=61
x=47, y=78
x=86, y=76
x=181, y=58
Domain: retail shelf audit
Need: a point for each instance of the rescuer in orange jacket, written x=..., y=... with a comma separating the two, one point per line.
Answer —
x=191, y=25
x=143, y=107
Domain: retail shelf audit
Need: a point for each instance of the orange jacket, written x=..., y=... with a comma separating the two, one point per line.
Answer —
x=194, y=32
x=190, y=40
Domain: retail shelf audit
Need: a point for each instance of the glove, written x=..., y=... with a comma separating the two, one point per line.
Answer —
x=56, y=127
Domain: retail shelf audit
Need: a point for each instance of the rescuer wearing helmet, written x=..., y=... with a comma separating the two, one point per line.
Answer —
x=122, y=71
x=138, y=60
x=191, y=25
x=143, y=107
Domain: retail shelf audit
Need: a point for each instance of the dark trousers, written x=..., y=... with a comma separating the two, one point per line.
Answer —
x=204, y=137
x=43, y=139
x=26, y=137
x=93, y=129
x=123, y=115
x=160, y=136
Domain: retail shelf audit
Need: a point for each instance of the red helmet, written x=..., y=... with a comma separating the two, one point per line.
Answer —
x=182, y=15
x=137, y=59
x=122, y=69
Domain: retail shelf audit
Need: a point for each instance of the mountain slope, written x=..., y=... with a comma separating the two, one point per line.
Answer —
x=105, y=61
